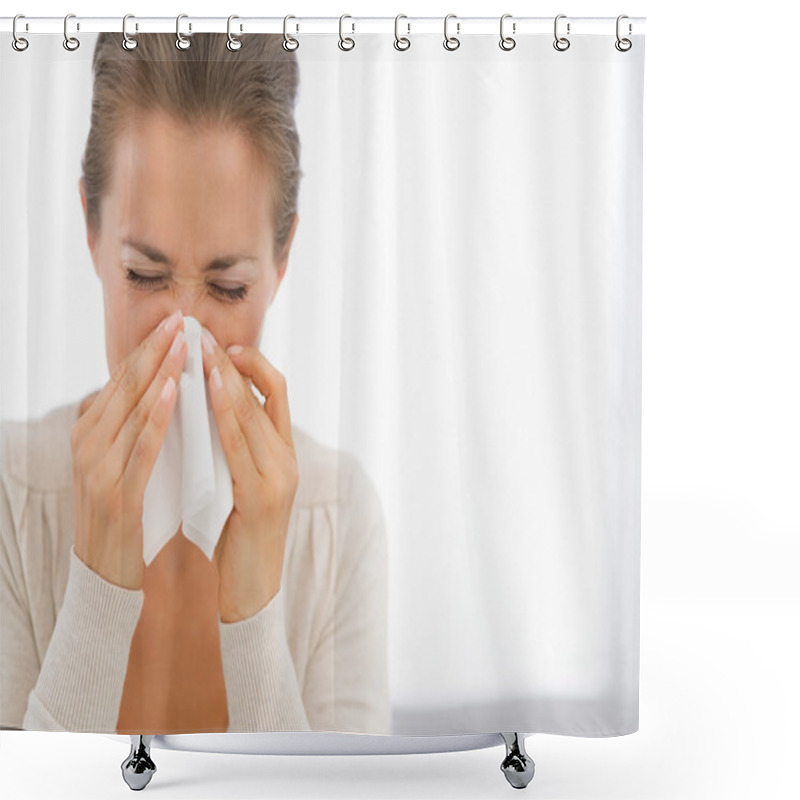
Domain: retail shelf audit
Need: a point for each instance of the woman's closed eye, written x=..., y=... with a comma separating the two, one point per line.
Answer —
x=151, y=281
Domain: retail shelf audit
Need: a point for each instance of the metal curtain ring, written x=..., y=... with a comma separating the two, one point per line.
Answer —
x=128, y=42
x=506, y=42
x=560, y=39
x=451, y=42
x=401, y=43
x=350, y=43
x=289, y=42
x=18, y=42
x=234, y=42
x=623, y=45
x=182, y=43
x=70, y=42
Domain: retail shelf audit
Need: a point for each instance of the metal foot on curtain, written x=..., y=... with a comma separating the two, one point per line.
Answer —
x=138, y=767
x=517, y=766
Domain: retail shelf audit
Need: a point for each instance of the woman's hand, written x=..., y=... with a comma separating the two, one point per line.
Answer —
x=114, y=444
x=259, y=449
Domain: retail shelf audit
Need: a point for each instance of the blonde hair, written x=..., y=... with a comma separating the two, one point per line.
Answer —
x=253, y=89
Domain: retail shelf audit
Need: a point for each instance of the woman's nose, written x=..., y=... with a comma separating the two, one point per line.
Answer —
x=189, y=307
x=190, y=300
x=187, y=310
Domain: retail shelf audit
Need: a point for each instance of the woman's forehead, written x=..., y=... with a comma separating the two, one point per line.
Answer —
x=206, y=182
x=158, y=148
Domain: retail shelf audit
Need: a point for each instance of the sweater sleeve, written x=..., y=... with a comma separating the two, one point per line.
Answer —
x=79, y=686
x=347, y=681
x=260, y=678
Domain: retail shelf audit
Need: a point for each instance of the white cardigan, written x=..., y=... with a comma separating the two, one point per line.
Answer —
x=314, y=658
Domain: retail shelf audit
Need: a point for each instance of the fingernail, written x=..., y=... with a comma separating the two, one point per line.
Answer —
x=216, y=378
x=234, y=349
x=173, y=321
x=208, y=341
x=177, y=343
x=169, y=386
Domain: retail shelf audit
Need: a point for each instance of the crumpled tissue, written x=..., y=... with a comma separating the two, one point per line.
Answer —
x=190, y=484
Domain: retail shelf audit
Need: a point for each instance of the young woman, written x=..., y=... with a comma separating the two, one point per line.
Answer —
x=189, y=192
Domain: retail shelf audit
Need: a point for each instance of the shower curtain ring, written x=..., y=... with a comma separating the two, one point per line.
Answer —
x=342, y=39
x=451, y=42
x=182, y=43
x=401, y=43
x=506, y=42
x=234, y=42
x=560, y=39
x=70, y=42
x=18, y=42
x=289, y=42
x=623, y=45
x=128, y=42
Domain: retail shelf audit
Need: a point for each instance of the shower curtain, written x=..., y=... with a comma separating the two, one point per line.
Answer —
x=456, y=335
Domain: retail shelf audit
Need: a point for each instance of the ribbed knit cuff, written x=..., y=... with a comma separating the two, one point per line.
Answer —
x=83, y=674
x=260, y=678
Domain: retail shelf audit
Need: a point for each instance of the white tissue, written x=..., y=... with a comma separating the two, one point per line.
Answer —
x=190, y=483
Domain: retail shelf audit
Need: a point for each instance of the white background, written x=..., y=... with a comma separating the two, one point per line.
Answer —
x=720, y=466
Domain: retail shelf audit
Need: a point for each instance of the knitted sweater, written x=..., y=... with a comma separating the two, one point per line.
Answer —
x=314, y=658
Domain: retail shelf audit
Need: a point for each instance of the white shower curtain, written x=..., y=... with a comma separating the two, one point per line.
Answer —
x=461, y=312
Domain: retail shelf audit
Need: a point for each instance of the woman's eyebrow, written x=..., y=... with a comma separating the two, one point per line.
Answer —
x=220, y=263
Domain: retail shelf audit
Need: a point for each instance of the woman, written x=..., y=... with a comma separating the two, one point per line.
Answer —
x=189, y=192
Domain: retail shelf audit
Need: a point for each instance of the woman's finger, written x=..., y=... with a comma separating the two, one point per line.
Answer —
x=270, y=382
x=233, y=393
x=129, y=381
x=233, y=438
x=147, y=446
x=88, y=401
x=130, y=432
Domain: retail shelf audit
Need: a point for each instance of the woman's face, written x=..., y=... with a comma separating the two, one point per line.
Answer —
x=186, y=224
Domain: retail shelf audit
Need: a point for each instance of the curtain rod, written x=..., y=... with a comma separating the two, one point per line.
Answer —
x=326, y=25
